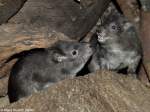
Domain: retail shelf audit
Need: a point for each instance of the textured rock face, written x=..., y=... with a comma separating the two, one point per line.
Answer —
x=66, y=16
x=3, y=86
x=145, y=5
x=99, y=92
x=8, y=8
x=4, y=101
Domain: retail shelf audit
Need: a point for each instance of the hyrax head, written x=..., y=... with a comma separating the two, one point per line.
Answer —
x=72, y=55
x=113, y=26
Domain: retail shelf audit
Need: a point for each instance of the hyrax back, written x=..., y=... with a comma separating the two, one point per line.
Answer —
x=39, y=69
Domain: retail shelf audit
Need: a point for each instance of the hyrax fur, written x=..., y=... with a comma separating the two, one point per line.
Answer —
x=119, y=46
x=39, y=69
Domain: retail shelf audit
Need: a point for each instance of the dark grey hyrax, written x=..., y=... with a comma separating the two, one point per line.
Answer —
x=118, y=47
x=39, y=69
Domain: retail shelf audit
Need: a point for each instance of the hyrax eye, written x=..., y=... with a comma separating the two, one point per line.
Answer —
x=119, y=28
x=74, y=52
x=113, y=27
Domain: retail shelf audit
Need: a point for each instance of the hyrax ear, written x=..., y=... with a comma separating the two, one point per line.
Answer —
x=59, y=58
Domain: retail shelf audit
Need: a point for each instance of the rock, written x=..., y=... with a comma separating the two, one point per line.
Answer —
x=145, y=5
x=147, y=65
x=4, y=76
x=3, y=86
x=102, y=91
x=145, y=39
x=67, y=16
x=130, y=9
x=8, y=8
x=4, y=101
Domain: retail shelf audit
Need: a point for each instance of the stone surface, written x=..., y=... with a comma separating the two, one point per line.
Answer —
x=5, y=72
x=131, y=10
x=67, y=16
x=102, y=92
x=3, y=86
x=145, y=38
x=8, y=8
x=145, y=34
x=145, y=5
x=3, y=102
